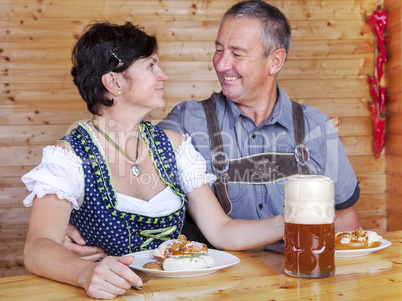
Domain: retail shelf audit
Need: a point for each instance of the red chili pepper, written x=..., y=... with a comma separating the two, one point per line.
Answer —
x=382, y=99
x=380, y=72
x=372, y=21
x=373, y=108
x=373, y=88
x=379, y=135
x=381, y=18
x=381, y=47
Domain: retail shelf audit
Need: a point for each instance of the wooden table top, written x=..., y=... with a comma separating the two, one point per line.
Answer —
x=259, y=276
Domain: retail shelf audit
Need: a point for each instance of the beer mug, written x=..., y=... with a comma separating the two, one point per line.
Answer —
x=309, y=226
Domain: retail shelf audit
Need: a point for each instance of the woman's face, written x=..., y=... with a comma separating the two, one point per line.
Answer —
x=144, y=83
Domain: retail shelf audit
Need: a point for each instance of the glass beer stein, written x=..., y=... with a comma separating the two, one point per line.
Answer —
x=309, y=226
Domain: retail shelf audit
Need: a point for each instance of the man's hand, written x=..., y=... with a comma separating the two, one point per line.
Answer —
x=74, y=242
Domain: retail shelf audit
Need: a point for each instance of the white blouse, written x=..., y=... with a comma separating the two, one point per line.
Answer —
x=60, y=172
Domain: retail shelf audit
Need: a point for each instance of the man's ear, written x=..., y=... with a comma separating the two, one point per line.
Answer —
x=111, y=81
x=277, y=58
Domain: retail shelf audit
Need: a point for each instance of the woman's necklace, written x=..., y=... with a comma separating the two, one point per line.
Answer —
x=135, y=168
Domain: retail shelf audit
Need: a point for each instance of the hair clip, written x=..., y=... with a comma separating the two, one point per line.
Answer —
x=115, y=56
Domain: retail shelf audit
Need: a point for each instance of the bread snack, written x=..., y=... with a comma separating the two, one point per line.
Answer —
x=179, y=246
x=359, y=239
x=154, y=265
x=181, y=254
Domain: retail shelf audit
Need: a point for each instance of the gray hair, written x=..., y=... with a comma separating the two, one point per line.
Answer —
x=275, y=27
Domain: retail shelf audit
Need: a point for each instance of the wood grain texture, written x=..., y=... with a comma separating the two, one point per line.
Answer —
x=393, y=76
x=331, y=53
x=259, y=275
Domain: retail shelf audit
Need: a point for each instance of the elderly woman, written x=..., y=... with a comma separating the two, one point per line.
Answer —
x=124, y=183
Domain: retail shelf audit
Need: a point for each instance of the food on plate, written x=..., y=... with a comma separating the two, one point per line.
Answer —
x=179, y=246
x=359, y=239
x=181, y=254
x=154, y=265
x=188, y=262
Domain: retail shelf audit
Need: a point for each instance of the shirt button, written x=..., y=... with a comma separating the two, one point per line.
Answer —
x=260, y=206
x=253, y=135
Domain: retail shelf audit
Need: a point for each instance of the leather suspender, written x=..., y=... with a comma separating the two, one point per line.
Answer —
x=220, y=161
x=299, y=130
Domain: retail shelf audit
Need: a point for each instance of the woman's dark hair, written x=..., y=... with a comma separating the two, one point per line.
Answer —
x=106, y=47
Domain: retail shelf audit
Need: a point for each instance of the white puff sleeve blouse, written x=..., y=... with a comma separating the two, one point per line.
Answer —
x=60, y=172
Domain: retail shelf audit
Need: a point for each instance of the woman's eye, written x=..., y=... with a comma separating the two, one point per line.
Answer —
x=152, y=65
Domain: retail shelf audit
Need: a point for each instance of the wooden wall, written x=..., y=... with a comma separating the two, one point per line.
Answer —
x=393, y=75
x=331, y=53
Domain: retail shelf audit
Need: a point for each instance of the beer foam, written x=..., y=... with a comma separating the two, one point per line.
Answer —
x=309, y=199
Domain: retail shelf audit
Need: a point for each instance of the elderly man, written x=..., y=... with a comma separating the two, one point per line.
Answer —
x=251, y=133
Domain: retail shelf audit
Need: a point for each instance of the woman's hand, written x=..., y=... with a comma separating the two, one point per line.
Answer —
x=74, y=242
x=110, y=278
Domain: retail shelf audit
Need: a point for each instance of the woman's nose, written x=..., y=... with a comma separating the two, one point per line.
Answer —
x=162, y=76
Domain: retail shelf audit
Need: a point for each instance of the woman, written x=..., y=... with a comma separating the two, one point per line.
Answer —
x=124, y=183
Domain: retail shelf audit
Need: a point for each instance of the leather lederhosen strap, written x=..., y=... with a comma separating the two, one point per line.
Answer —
x=256, y=169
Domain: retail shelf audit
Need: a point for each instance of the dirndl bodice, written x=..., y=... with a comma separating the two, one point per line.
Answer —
x=100, y=223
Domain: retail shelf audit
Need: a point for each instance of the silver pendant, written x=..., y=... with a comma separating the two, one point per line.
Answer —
x=136, y=170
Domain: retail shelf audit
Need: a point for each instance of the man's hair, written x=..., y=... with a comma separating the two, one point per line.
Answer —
x=275, y=31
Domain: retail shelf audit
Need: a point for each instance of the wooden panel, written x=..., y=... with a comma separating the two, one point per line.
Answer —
x=394, y=103
x=64, y=95
x=371, y=201
x=180, y=10
x=367, y=164
x=371, y=183
x=357, y=145
x=191, y=70
x=59, y=29
x=36, y=134
x=331, y=53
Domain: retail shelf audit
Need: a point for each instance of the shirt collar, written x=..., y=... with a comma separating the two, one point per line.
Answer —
x=281, y=114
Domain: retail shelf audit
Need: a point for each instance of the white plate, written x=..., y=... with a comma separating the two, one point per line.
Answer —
x=361, y=252
x=222, y=260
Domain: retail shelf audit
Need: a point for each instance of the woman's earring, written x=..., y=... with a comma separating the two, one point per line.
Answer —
x=119, y=92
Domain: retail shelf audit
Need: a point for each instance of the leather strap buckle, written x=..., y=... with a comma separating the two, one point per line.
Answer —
x=220, y=166
x=301, y=154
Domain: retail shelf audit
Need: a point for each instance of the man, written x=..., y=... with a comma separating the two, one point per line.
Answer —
x=259, y=136
x=259, y=129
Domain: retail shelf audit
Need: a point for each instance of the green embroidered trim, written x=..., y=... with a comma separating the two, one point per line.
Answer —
x=156, y=234
x=129, y=237
x=162, y=159
x=94, y=139
x=99, y=171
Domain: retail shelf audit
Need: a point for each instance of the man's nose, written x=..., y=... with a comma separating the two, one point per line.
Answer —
x=223, y=63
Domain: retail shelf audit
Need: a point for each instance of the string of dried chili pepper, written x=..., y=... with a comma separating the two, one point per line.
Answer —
x=380, y=16
x=380, y=72
x=381, y=47
x=382, y=99
x=373, y=108
x=372, y=21
x=373, y=88
x=379, y=135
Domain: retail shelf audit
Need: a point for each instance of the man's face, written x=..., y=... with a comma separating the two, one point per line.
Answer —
x=239, y=61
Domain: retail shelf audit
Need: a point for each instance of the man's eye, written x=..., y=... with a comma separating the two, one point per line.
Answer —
x=152, y=65
x=218, y=50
